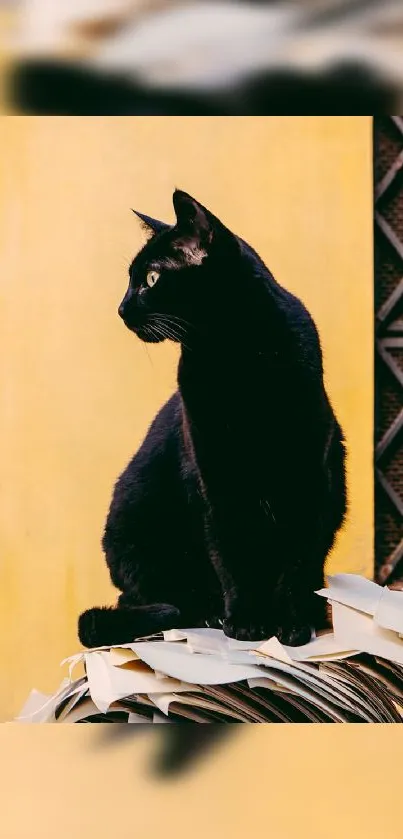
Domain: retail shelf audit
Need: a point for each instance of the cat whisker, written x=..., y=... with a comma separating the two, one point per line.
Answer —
x=267, y=509
x=155, y=332
x=168, y=320
x=147, y=353
x=163, y=331
x=173, y=317
x=170, y=331
x=185, y=324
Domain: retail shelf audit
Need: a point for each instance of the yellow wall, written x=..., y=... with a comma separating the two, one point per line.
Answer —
x=78, y=390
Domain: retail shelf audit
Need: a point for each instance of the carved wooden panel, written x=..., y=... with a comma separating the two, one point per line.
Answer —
x=388, y=161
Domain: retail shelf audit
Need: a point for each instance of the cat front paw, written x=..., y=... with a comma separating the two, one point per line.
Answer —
x=294, y=635
x=248, y=629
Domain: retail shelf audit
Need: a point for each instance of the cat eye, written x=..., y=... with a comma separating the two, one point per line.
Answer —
x=152, y=278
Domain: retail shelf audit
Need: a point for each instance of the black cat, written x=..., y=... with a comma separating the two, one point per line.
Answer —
x=230, y=507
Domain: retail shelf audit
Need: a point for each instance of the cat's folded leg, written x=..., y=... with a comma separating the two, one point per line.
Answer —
x=102, y=627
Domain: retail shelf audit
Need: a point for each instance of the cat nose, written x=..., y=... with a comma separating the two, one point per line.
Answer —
x=125, y=305
x=122, y=310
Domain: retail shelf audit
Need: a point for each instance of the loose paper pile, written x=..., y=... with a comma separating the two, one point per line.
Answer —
x=353, y=674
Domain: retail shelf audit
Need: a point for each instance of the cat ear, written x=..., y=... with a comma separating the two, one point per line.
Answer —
x=192, y=218
x=151, y=225
x=194, y=228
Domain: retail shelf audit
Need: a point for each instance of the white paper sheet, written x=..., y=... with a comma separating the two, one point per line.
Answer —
x=175, y=634
x=162, y=701
x=108, y=684
x=389, y=612
x=214, y=641
x=358, y=630
x=353, y=590
x=274, y=649
x=75, y=698
x=119, y=656
x=207, y=641
x=40, y=707
x=322, y=648
x=86, y=709
x=72, y=661
x=37, y=708
x=176, y=660
x=204, y=639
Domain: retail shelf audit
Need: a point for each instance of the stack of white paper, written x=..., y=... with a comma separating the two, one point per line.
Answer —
x=354, y=673
x=366, y=616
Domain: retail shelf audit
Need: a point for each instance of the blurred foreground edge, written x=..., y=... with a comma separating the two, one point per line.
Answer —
x=179, y=748
x=186, y=746
x=59, y=88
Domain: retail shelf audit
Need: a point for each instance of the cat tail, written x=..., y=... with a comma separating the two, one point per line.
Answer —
x=106, y=626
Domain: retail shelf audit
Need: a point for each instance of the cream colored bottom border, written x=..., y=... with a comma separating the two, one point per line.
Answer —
x=277, y=781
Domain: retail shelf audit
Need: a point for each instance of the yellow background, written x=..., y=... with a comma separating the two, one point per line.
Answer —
x=268, y=782
x=78, y=390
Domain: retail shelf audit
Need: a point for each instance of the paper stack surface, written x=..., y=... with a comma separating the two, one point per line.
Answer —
x=352, y=674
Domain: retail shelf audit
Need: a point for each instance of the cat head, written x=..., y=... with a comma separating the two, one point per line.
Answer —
x=176, y=282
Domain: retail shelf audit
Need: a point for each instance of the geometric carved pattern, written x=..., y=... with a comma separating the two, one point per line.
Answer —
x=388, y=147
